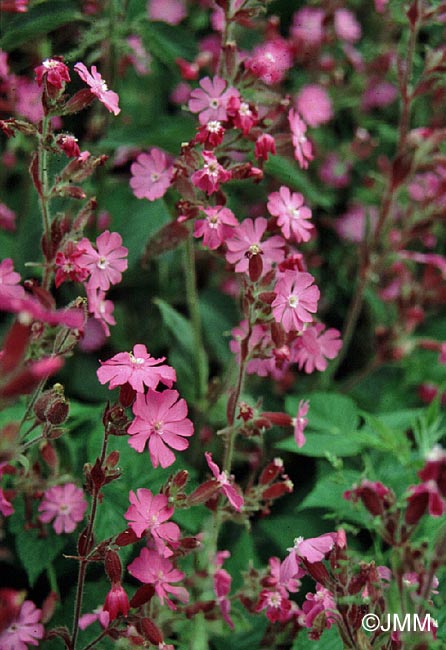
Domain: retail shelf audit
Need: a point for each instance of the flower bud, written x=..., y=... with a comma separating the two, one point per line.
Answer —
x=203, y=492
x=52, y=406
x=126, y=538
x=113, y=566
x=150, y=631
x=271, y=471
x=142, y=596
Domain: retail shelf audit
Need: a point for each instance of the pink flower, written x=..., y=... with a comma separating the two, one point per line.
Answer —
x=300, y=422
x=101, y=309
x=10, y=286
x=314, y=104
x=270, y=61
x=105, y=264
x=98, y=87
x=24, y=630
x=303, y=150
x=68, y=266
x=217, y=227
x=292, y=214
x=352, y=225
x=378, y=94
x=139, y=57
x=243, y=115
x=149, y=512
x=334, y=171
x=28, y=99
x=68, y=144
x=246, y=242
x=259, y=348
x=138, y=368
x=211, y=134
x=296, y=299
x=7, y=218
x=234, y=498
x=152, y=569
x=277, y=604
x=161, y=421
x=346, y=26
x=265, y=144
x=54, y=71
x=307, y=28
x=312, y=349
x=167, y=11
x=31, y=309
x=98, y=614
x=316, y=604
x=6, y=508
x=209, y=177
x=211, y=100
x=65, y=504
x=116, y=602
x=151, y=175
x=311, y=550
x=222, y=587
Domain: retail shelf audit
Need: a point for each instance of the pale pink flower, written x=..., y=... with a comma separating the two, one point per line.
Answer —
x=312, y=349
x=346, y=26
x=152, y=569
x=99, y=87
x=98, y=614
x=211, y=100
x=151, y=175
x=246, y=242
x=101, y=309
x=107, y=263
x=300, y=422
x=307, y=28
x=314, y=104
x=270, y=61
x=150, y=512
x=27, y=98
x=296, y=299
x=24, y=630
x=10, y=280
x=222, y=587
x=378, y=94
x=380, y=6
x=217, y=227
x=226, y=483
x=138, y=368
x=64, y=505
x=31, y=309
x=7, y=218
x=292, y=215
x=352, y=225
x=161, y=421
x=259, y=348
x=311, y=550
x=167, y=11
x=209, y=177
x=334, y=171
x=139, y=58
x=303, y=149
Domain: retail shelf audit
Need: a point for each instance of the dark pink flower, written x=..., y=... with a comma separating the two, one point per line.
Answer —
x=296, y=299
x=259, y=348
x=209, y=177
x=152, y=569
x=116, y=602
x=270, y=61
x=211, y=100
x=244, y=116
x=211, y=134
x=226, y=483
x=138, y=368
x=68, y=144
x=161, y=421
x=99, y=87
x=54, y=71
x=303, y=149
x=425, y=496
x=10, y=286
x=314, y=104
x=150, y=512
x=346, y=26
x=277, y=604
x=265, y=144
x=24, y=630
x=435, y=468
x=292, y=215
x=107, y=263
x=167, y=11
x=31, y=309
x=312, y=349
x=65, y=504
x=68, y=264
x=246, y=242
x=7, y=218
x=151, y=175
x=300, y=422
x=217, y=227
x=316, y=604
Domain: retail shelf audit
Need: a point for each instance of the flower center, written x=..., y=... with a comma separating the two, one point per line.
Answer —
x=214, y=126
x=274, y=599
x=293, y=301
x=50, y=63
x=158, y=428
x=154, y=177
x=139, y=361
x=295, y=213
x=102, y=263
x=244, y=109
x=255, y=249
x=214, y=103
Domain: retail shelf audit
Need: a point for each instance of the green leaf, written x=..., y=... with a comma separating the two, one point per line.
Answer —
x=329, y=412
x=168, y=43
x=329, y=641
x=287, y=172
x=38, y=21
x=179, y=327
x=318, y=445
x=328, y=494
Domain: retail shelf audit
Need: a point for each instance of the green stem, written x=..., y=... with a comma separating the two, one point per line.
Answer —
x=194, y=312
x=32, y=442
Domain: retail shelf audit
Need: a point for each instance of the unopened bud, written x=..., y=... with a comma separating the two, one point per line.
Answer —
x=52, y=406
x=126, y=538
x=113, y=566
x=142, y=596
x=203, y=492
x=150, y=631
x=271, y=471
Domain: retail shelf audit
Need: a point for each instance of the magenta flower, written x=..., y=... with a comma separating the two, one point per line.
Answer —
x=167, y=11
x=65, y=504
x=151, y=175
x=101, y=309
x=54, y=71
x=116, y=602
x=312, y=349
x=150, y=512
x=312, y=550
x=322, y=602
x=270, y=61
x=314, y=104
x=31, y=309
x=217, y=227
x=24, y=630
x=10, y=286
x=152, y=569
x=246, y=242
x=209, y=177
x=225, y=482
x=292, y=214
x=277, y=604
x=265, y=144
x=303, y=149
x=222, y=587
x=300, y=422
x=308, y=28
x=296, y=299
x=105, y=264
x=161, y=421
x=346, y=26
x=211, y=100
x=98, y=87
x=68, y=265
x=138, y=368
